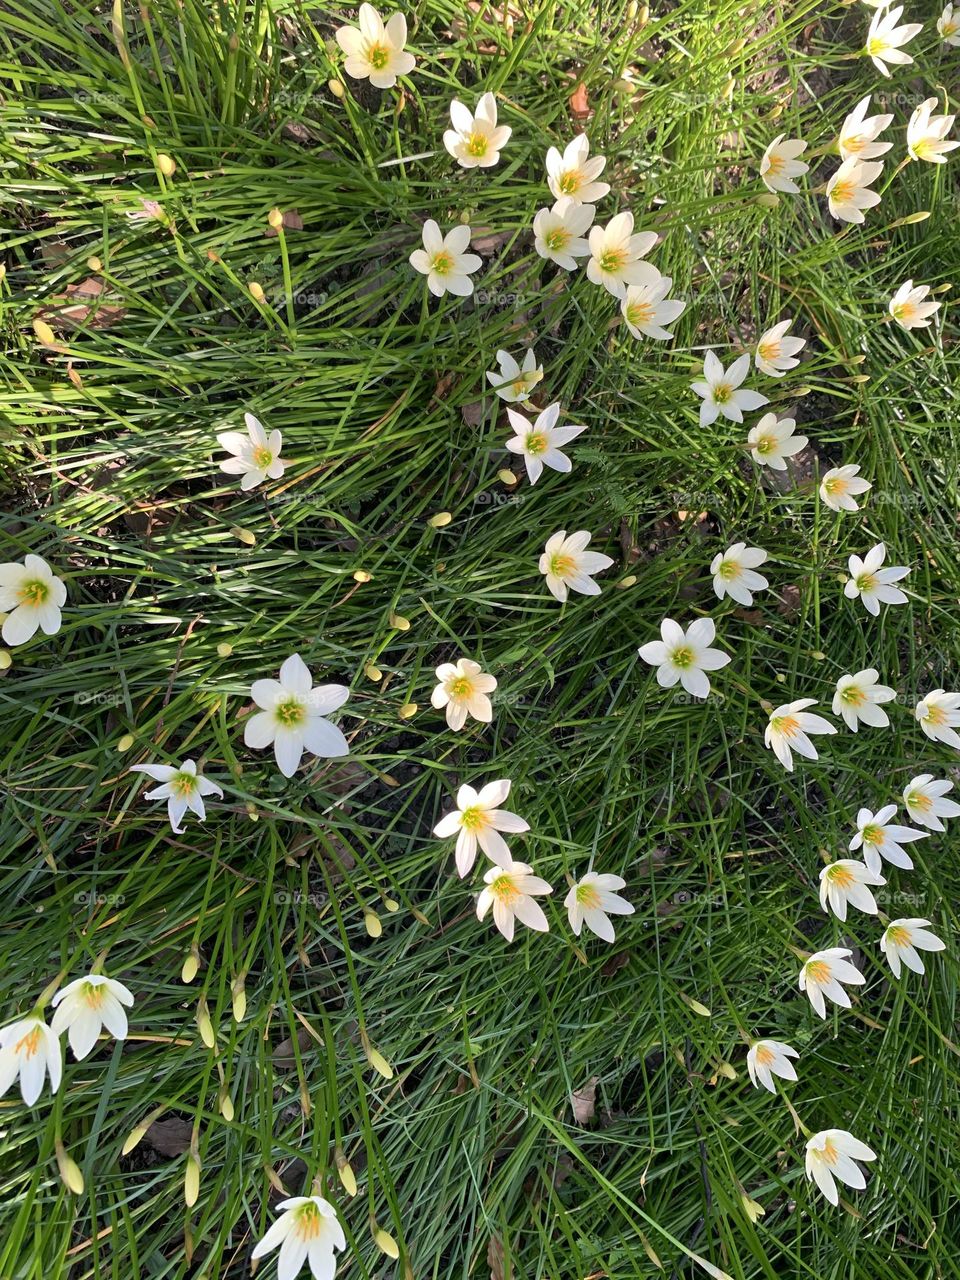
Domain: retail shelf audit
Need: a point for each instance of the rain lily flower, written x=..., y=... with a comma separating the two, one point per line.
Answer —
x=838, y=486
x=789, y=728
x=646, y=307
x=845, y=881
x=29, y=1049
x=769, y=1058
x=780, y=165
x=881, y=839
x=559, y=232
x=574, y=175
x=927, y=133
x=463, y=688
x=903, y=938
x=859, y=133
x=291, y=716
x=831, y=1154
x=733, y=573
x=872, y=583
x=721, y=392
x=477, y=822
x=87, y=1005
x=182, y=788
x=909, y=308
x=31, y=596
x=540, y=443
x=375, y=51
x=939, y=716
x=256, y=456
x=569, y=566
x=772, y=440
x=776, y=351
x=926, y=803
x=511, y=890
x=948, y=25
x=513, y=382
x=444, y=262
x=592, y=900
x=476, y=140
x=685, y=655
x=885, y=38
x=858, y=697
x=616, y=255
x=823, y=974
x=848, y=191
x=306, y=1231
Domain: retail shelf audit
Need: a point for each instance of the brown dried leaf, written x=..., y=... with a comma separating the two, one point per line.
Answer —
x=291, y=221
x=283, y=1056
x=472, y=413
x=583, y=1101
x=170, y=1137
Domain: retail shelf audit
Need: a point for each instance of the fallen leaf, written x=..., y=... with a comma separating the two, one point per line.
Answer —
x=170, y=1137
x=583, y=1101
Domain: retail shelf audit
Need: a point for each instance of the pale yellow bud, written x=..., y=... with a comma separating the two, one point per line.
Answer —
x=336, y=88
x=256, y=291
x=133, y=1139
x=347, y=1176
x=226, y=1106
x=166, y=165
x=125, y=743
x=440, y=520
x=94, y=264
x=224, y=650
x=204, y=1024
x=399, y=622
x=361, y=575
x=239, y=998
x=244, y=535
x=406, y=712
x=275, y=218
x=767, y=200
x=190, y=965
x=191, y=1181
x=380, y=1064
x=386, y=1243
x=373, y=672
x=44, y=333
x=372, y=924
x=6, y=659
x=506, y=477
x=70, y=1173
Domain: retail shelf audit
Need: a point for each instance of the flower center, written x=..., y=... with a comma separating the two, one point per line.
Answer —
x=682, y=657
x=876, y=46
x=829, y=1153
x=378, y=56
x=262, y=457
x=764, y=1055
x=842, y=192
x=842, y=877
x=309, y=1222
x=290, y=712
x=765, y=444
x=899, y=935
x=917, y=800
x=183, y=783
x=905, y=312
x=818, y=971
x=730, y=569
x=474, y=819
x=786, y=726
x=28, y=1044
x=562, y=566
x=442, y=263
x=855, y=143
x=504, y=889
x=460, y=687
x=835, y=485
x=639, y=313
x=613, y=260
x=774, y=163
x=934, y=715
x=569, y=182
x=520, y=386
x=588, y=896
x=476, y=145
x=93, y=994
x=722, y=392
x=873, y=835
x=853, y=695
x=33, y=593
x=769, y=350
x=536, y=443
x=558, y=239
x=867, y=582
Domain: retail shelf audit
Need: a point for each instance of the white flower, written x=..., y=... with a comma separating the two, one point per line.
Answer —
x=616, y=255
x=858, y=697
x=574, y=175
x=769, y=1058
x=927, y=133
x=476, y=140
x=444, y=262
x=823, y=974
x=939, y=716
x=256, y=455
x=559, y=232
x=87, y=1005
x=513, y=382
x=292, y=716
x=375, y=51
x=772, y=440
x=306, y=1231
x=908, y=308
x=859, y=133
x=926, y=803
x=872, y=583
x=462, y=689
x=477, y=821
x=31, y=597
x=541, y=442
x=948, y=25
x=733, y=573
x=720, y=390
x=510, y=890
x=880, y=839
x=780, y=165
x=789, y=728
x=182, y=788
x=29, y=1049
x=885, y=38
x=900, y=942
x=591, y=900
x=838, y=486
x=776, y=350
x=646, y=307
x=685, y=655
x=848, y=191
x=845, y=881
x=568, y=566
x=831, y=1154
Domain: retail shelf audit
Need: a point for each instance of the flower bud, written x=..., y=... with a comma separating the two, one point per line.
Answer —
x=440, y=520
x=166, y=165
